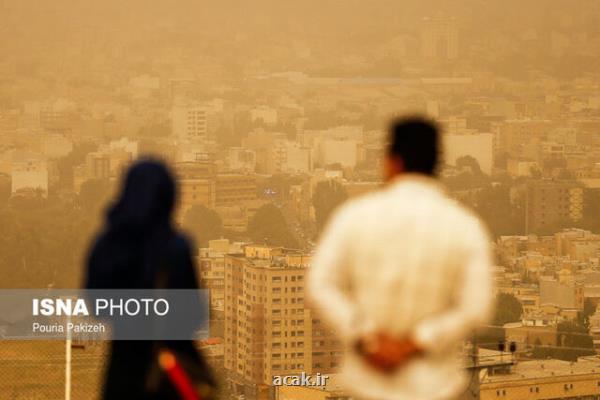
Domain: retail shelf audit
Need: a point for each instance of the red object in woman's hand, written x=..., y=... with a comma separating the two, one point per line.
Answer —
x=180, y=380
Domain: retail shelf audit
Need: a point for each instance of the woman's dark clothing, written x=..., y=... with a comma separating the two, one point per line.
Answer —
x=137, y=243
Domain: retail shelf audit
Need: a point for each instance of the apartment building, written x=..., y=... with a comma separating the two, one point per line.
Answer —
x=189, y=122
x=196, y=184
x=551, y=204
x=211, y=263
x=235, y=189
x=269, y=329
x=544, y=379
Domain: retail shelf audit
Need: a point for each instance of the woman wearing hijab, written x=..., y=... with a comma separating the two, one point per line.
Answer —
x=131, y=252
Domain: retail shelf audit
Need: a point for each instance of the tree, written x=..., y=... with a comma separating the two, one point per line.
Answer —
x=573, y=341
x=275, y=187
x=5, y=189
x=576, y=338
x=328, y=195
x=540, y=351
x=508, y=309
x=205, y=224
x=589, y=308
x=490, y=337
x=43, y=242
x=269, y=226
x=469, y=162
x=591, y=210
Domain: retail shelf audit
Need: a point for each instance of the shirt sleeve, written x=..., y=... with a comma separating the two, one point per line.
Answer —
x=328, y=280
x=474, y=299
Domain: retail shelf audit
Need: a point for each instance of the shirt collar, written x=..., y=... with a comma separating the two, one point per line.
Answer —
x=416, y=180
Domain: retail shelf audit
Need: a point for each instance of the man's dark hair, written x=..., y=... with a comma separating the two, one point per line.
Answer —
x=415, y=140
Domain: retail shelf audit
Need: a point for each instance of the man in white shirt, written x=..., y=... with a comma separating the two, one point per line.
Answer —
x=403, y=276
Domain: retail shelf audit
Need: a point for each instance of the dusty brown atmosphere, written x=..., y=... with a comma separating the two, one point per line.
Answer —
x=271, y=114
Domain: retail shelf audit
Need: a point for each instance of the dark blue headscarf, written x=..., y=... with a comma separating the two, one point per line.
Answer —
x=138, y=234
x=146, y=201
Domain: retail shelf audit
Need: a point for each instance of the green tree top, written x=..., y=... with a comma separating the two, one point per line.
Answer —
x=204, y=224
x=508, y=309
x=269, y=226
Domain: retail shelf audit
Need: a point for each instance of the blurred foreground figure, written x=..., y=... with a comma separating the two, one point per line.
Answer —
x=140, y=249
x=403, y=275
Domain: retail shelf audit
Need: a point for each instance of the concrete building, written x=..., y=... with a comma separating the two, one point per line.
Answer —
x=235, y=189
x=439, y=38
x=518, y=168
x=338, y=151
x=211, y=263
x=269, y=329
x=55, y=146
x=296, y=158
x=516, y=137
x=194, y=191
x=543, y=379
x=479, y=146
x=565, y=295
x=333, y=390
x=189, y=122
x=196, y=184
x=267, y=115
x=29, y=175
x=269, y=150
x=578, y=244
x=550, y=204
x=241, y=159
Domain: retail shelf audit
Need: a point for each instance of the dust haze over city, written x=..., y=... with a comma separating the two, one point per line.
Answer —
x=273, y=113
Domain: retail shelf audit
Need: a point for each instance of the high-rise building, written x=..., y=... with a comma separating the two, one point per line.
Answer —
x=196, y=184
x=269, y=329
x=515, y=137
x=551, y=205
x=439, y=38
x=211, y=268
x=98, y=165
x=189, y=122
x=235, y=189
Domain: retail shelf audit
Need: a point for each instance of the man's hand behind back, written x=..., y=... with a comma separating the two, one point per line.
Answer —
x=386, y=353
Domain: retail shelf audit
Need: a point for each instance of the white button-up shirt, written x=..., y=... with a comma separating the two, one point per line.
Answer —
x=408, y=261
